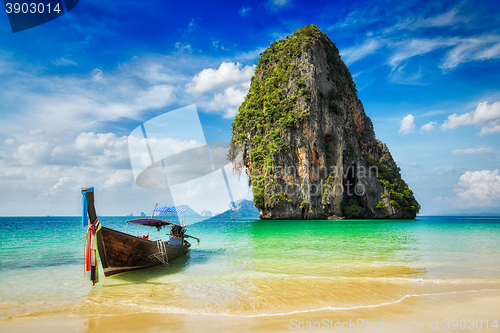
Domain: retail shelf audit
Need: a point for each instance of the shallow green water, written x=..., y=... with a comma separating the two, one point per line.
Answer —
x=251, y=267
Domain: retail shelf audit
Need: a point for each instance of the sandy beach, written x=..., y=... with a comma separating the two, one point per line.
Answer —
x=472, y=310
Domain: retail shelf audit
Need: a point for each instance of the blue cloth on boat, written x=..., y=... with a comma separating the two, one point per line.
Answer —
x=85, y=206
x=171, y=209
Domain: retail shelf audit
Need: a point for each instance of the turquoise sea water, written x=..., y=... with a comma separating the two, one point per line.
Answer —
x=251, y=267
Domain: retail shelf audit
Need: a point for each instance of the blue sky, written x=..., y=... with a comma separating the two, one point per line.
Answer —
x=73, y=89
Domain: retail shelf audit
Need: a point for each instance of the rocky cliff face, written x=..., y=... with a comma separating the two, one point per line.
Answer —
x=304, y=140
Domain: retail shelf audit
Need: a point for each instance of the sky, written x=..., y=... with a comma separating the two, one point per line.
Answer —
x=73, y=90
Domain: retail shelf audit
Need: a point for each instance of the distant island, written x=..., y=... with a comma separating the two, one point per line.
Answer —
x=305, y=142
x=241, y=208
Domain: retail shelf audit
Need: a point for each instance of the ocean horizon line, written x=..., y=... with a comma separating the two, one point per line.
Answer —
x=250, y=217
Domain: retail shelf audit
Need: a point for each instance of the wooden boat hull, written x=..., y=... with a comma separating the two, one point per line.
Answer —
x=121, y=252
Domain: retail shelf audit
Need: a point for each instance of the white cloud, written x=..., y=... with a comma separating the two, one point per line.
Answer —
x=191, y=25
x=96, y=74
x=276, y=5
x=227, y=74
x=119, y=177
x=450, y=18
x=361, y=17
x=475, y=189
x=415, y=46
x=37, y=131
x=32, y=153
x=405, y=48
x=57, y=188
x=490, y=52
x=88, y=149
x=244, y=11
x=183, y=47
x=487, y=116
x=38, y=173
x=52, y=150
x=479, y=189
x=229, y=100
x=433, y=113
x=204, y=193
x=164, y=147
x=476, y=150
x=479, y=48
x=428, y=127
x=153, y=70
x=66, y=105
x=407, y=124
x=64, y=62
x=154, y=98
x=230, y=112
x=405, y=41
x=355, y=53
x=48, y=121
x=462, y=50
x=103, y=150
x=230, y=82
x=76, y=109
x=91, y=143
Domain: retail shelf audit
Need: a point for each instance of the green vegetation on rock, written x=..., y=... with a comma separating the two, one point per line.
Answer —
x=397, y=190
x=277, y=100
x=352, y=209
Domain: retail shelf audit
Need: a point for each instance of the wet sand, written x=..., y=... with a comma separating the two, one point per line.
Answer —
x=418, y=313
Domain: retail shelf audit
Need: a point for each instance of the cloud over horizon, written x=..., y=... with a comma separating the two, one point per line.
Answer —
x=475, y=190
x=479, y=188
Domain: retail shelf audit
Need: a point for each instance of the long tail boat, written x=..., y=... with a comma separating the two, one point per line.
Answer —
x=121, y=252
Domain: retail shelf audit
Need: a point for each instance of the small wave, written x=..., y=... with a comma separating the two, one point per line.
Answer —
x=354, y=307
x=445, y=281
x=175, y=310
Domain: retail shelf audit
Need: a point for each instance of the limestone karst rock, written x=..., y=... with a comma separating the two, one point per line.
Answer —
x=304, y=140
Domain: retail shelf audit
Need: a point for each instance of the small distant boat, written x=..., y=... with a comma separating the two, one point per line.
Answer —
x=121, y=252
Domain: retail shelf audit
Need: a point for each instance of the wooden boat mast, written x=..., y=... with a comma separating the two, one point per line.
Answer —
x=93, y=217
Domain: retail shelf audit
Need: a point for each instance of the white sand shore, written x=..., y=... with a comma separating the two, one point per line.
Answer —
x=430, y=313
